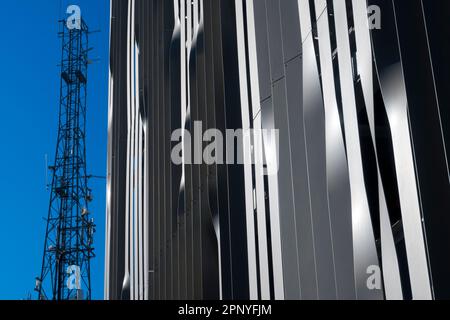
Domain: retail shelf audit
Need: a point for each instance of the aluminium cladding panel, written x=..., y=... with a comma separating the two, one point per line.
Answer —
x=188, y=172
x=290, y=26
x=280, y=78
x=158, y=154
x=428, y=140
x=156, y=36
x=192, y=173
x=436, y=16
x=176, y=171
x=235, y=173
x=212, y=239
x=365, y=90
x=275, y=40
x=213, y=68
x=295, y=91
x=196, y=225
x=136, y=179
x=314, y=119
x=165, y=118
x=278, y=114
x=247, y=115
x=169, y=26
x=154, y=152
x=390, y=266
x=278, y=110
x=207, y=241
x=290, y=89
x=191, y=177
x=155, y=122
x=262, y=49
x=390, y=74
x=218, y=187
x=365, y=253
x=267, y=62
x=181, y=201
x=317, y=204
x=142, y=95
x=117, y=153
x=300, y=178
x=128, y=281
x=293, y=151
x=261, y=207
x=199, y=176
x=149, y=60
x=337, y=169
x=194, y=170
x=134, y=165
x=209, y=185
x=144, y=41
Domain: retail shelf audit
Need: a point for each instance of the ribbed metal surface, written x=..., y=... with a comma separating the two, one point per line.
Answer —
x=362, y=191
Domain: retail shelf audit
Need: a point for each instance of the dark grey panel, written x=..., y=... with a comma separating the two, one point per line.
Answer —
x=262, y=49
x=118, y=152
x=290, y=27
x=286, y=196
x=314, y=120
x=303, y=217
x=275, y=39
x=429, y=148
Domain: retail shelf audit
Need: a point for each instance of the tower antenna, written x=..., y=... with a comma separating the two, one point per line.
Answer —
x=68, y=248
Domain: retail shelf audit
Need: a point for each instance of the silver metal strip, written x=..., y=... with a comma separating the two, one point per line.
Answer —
x=258, y=160
x=245, y=110
x=391, y=272
x=338, y=182
x=365, y=253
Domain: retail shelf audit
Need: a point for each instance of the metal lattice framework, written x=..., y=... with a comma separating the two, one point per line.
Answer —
x=69, y=237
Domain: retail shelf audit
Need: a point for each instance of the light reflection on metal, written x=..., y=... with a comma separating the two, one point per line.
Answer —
x=326, y=223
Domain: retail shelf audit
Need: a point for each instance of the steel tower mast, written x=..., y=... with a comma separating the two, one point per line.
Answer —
x=68, y=246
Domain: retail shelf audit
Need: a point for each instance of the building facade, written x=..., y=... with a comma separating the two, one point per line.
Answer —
x=359, y=206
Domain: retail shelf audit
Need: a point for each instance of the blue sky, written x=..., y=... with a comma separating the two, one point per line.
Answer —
x=29, y=94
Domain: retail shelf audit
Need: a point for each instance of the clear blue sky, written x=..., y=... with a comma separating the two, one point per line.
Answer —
x=29, y=89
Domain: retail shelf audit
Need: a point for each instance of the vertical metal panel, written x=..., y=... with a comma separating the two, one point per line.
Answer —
x=428, y=140
x=365, y=253
x=260, y=18
x=300, y=178
x=246, y=143
x=309, y=231
x=314, y=119
x=436, y=19
x=337, y=169
x=130, y=143
x=392, y=84
x=275, y=39
x=393, y=289
x=267, y=123
x=264, y=282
